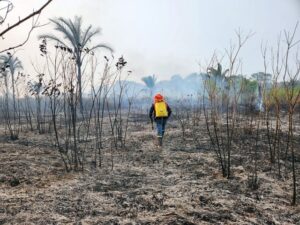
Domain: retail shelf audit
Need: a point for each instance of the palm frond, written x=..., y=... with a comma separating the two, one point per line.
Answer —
x=53, y=38
x=74, y=28
x=102, y=46
x=62, y=26
x=85, y=34
x=88, y=35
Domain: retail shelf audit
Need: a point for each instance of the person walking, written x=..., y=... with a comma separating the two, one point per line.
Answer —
x=160, y=112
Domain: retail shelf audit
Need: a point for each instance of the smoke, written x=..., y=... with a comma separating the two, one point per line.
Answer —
x=175, y=88
x=297, y=5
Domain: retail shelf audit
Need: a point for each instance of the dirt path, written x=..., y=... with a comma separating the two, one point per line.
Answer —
x=176, y=184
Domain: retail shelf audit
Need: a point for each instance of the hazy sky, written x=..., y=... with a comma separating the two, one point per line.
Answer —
x=167, y=37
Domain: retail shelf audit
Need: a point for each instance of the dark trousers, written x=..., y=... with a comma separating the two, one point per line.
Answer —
x=160, y=126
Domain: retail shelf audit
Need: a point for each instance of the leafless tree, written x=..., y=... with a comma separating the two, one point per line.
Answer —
x=223, y=94
x=290, y=77
x=7, y=9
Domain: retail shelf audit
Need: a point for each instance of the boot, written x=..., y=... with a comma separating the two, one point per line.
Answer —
x=159, y=140
x=156, y=141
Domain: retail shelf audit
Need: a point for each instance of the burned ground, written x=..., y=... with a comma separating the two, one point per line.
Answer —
x=177, y=184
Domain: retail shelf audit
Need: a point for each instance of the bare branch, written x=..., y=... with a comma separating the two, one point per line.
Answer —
x=25, y=19
x=35, y=25
x=8, y=8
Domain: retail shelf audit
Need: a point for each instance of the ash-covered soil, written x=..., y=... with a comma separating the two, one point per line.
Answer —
x=177, y=184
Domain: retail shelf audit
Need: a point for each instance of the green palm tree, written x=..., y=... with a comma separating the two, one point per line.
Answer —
x=150, y=82
x=219, y=77
x=217, y=73
x=76, y=38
